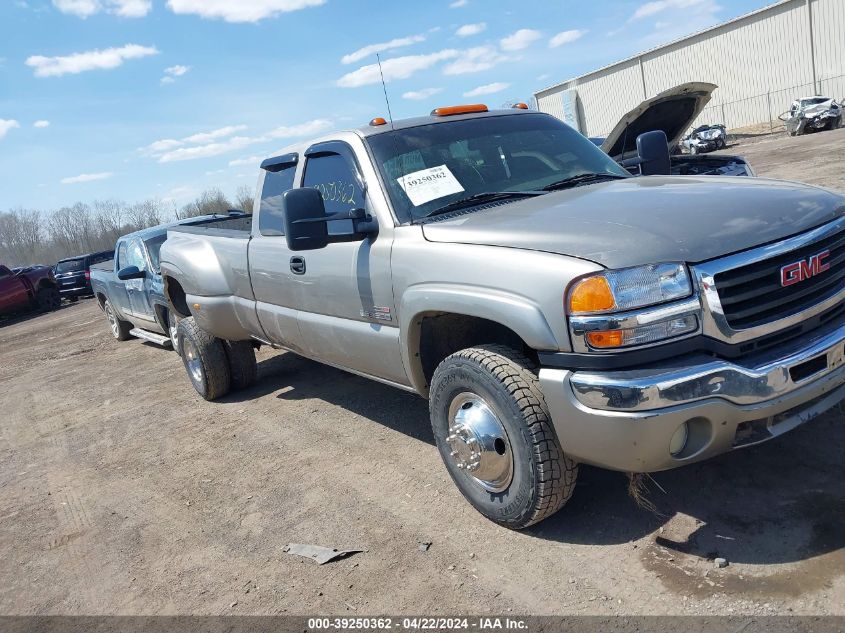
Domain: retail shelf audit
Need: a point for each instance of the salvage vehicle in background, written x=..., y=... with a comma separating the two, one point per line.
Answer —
x=74, y=274
x=673, y=111
x=812, y=114
x=553, y=309
x=31, y=288
x=705, y=138
x=129, y=288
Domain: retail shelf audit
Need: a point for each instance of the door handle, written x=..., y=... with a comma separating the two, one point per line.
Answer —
x=297, y=265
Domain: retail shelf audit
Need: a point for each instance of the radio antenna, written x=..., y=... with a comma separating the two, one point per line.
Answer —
x=384, y=87
x=401, y=157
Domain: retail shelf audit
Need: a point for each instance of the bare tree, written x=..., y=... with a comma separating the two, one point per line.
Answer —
x=245, y=198
x=209, y=202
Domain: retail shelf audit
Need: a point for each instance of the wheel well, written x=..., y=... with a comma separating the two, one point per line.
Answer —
x=176, y=297
x=443, y=334
x=101, y=299
x=161, y=315
x=46, y=283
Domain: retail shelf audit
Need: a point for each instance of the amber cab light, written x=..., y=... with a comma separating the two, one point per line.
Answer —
x=378, y=121
x=459, y=109
x=592, y=294
x=520, y=106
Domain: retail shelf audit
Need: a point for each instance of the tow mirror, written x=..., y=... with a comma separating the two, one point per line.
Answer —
x=131, y=272
x=306, y=222
x=303, y=210
x=653, y=154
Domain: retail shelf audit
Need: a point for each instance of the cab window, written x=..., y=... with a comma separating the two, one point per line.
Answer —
x=271, y=220
x=121, y=255
x=135, y=255
x=332, y=175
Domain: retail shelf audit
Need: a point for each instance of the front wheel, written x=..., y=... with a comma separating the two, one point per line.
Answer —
x=205, y=360
x=173, y=331
x=495, y=435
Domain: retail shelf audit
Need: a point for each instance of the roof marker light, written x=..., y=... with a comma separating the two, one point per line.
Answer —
x=459, y=109
x=378, y=121
x=520, y=106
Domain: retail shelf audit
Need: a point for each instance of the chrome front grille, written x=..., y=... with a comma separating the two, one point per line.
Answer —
x=753, y=295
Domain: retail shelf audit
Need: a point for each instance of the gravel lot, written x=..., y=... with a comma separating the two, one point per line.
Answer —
x=122, y=492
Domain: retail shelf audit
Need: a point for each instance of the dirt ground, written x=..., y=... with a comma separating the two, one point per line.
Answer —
x=123, y=492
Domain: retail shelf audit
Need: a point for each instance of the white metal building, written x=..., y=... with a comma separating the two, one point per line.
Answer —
x=760, y=61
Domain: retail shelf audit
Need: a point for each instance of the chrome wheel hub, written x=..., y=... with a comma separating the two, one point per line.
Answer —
x=173, y=325
x=112, y=320
x=192, y=361
x=479, y=444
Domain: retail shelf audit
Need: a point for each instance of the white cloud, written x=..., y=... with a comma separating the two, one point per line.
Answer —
x=41, y=124
x=566, y=37
x=250, y=160
x=168, y=80
x=86, y=8
x=487, y=89
x=372, y=49
x=239, y=10
x=457, y=4
x=523, y=38
x=222, y=141
x=86, y=178
x=6, y=125
x=176, y=71
x=471, y=29
x=206, y=137
x=474, y=60
x=91, y=60
x=419, y=95
x=658, y=6
x=395, y=68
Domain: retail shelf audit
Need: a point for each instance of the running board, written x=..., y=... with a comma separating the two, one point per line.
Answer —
x=152, y=337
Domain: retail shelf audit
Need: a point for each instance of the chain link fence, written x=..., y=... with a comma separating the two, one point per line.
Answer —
x=758, y=115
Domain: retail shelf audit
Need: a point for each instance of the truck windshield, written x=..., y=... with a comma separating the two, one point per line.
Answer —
x=70, y=266
x=430, y=166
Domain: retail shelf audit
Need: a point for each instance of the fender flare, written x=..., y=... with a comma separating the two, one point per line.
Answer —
x=519, y=314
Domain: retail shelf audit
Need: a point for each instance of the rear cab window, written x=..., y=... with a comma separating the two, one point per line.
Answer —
x=278, y=179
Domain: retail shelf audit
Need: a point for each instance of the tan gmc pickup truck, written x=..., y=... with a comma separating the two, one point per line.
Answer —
x=552, y=307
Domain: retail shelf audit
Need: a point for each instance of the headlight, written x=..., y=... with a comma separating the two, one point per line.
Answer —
x=629, y=288
x=632, y=307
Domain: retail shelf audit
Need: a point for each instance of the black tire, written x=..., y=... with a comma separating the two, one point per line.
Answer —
x=48, y=299
x=693, y=150
x=205, y=360
x=542, y=476
x=243, y=367
x=119, y=329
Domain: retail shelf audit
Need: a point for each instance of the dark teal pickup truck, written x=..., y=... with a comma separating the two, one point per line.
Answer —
x=129, y=288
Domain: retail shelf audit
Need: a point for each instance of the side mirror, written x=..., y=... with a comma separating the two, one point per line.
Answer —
x=305, y=219
x=131, y=272
x=653, y=153
x=306, y=222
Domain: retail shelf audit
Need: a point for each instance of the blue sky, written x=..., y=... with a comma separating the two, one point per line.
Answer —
x=139, y=99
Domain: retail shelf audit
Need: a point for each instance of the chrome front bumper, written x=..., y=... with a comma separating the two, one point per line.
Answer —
x=625, y=420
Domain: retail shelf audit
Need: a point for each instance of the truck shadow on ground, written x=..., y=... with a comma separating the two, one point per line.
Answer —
x=779, y=502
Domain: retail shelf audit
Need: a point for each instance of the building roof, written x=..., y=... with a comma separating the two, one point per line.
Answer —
x=667, y=45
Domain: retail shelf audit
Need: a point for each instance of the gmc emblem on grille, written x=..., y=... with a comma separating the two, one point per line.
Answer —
x=805, y=269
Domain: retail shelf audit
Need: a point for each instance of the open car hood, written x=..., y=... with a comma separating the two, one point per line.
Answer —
x=672, y=111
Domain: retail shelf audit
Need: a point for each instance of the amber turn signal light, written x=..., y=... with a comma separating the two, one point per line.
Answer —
x=459, y=109
x=520, y=106
x=378, y=121
x=603, y=340
x=592, y=294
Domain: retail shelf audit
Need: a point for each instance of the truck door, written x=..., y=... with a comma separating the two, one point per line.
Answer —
x=269, y=257
x=13, y=291
x=344, y=292
x=139, y=298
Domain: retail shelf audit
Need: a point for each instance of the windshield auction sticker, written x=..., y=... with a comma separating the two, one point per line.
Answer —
x=429, y=184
